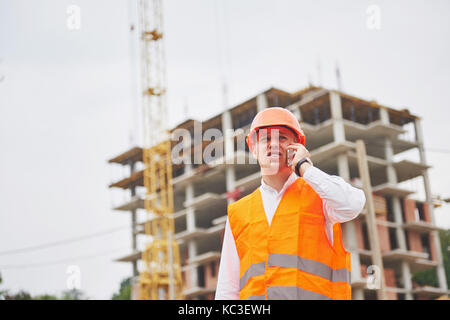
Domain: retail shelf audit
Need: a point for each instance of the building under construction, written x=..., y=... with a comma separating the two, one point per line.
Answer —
x=332, y=122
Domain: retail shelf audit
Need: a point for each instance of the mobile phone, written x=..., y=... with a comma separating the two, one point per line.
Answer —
x=290, y=156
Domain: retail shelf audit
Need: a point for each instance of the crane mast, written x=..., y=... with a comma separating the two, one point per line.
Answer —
x=160, y=278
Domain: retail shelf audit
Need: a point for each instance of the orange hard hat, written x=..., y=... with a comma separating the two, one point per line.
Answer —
x=275, y=116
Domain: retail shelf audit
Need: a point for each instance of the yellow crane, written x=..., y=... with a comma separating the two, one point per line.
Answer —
x=160, y=279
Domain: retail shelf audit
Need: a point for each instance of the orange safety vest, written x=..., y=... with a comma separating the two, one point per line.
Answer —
x=292, y=258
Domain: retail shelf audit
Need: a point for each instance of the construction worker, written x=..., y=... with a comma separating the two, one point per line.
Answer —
x=283, y=241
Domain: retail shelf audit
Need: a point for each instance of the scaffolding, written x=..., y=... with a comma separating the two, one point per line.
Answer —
x=160, y=278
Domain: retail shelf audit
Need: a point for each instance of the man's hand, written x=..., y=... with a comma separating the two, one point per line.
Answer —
x=301, y=152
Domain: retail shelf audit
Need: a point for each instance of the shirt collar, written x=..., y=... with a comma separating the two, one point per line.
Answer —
x=290, y=180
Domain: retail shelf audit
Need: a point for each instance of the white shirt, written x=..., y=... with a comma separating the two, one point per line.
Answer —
x=341, y=202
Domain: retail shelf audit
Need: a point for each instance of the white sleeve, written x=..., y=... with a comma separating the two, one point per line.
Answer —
x=229, y=270
x=341, y=201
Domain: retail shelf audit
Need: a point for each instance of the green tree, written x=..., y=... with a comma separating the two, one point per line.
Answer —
x=21, y=295
x=429, y=277
x=3, y=293
x=45, y=296
x=73, y=294
x=124, y=291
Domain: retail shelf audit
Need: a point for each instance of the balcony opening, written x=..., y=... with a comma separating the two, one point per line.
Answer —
x=201, y=275
x=244, y=118
x=402, y=207
x=399, y=283
x=177, y=171
x=393, y=238
x=425, y=240
x=316, y=114
x=390, y=209
x=420, y=213
x=370, y=295
x=402, y=118
x=365, y=237
x=212, y=267
x=410, y=132
x=408, y=247
x=359, y=112
x=181, y=225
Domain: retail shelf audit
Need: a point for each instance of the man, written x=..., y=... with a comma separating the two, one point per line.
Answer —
x=283, y=241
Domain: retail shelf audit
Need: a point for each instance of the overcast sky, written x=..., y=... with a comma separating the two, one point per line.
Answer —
x=66, y=104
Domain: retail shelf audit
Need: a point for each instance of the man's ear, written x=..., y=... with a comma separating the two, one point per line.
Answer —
x=251, y=143
x=254, y=158
x=255, y=152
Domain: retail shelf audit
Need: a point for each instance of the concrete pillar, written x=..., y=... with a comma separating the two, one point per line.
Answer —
x=401, y=240
x=190, y=226
x=297, y=114
x=396, y=206
x=358, y=294
x=350, y=233
x=389, y=154
x=343, y=168
x=336, y=115
x=190, y=212
x=261, y=102
x=192, y=252
x=429, y=201
x=406, y=274
x=187, y=142
x=230, y=180
x=134, y=240
x=384, y=116
x=352, y=247
x=400, y=232
x=228, y=137
x=227, y=127
x=392, y=178
x=296, y=111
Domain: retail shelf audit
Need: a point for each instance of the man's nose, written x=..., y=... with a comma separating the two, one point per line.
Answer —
x=274, y=142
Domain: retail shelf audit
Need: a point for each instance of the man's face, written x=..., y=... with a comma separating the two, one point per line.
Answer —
x=271, y=148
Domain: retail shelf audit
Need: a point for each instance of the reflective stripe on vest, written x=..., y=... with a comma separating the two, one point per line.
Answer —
x=292, y=261
x=289, y=293
x=314, y=267
x=258, y=297
x=292, y=258
x=293, y=293
x=256, y=269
